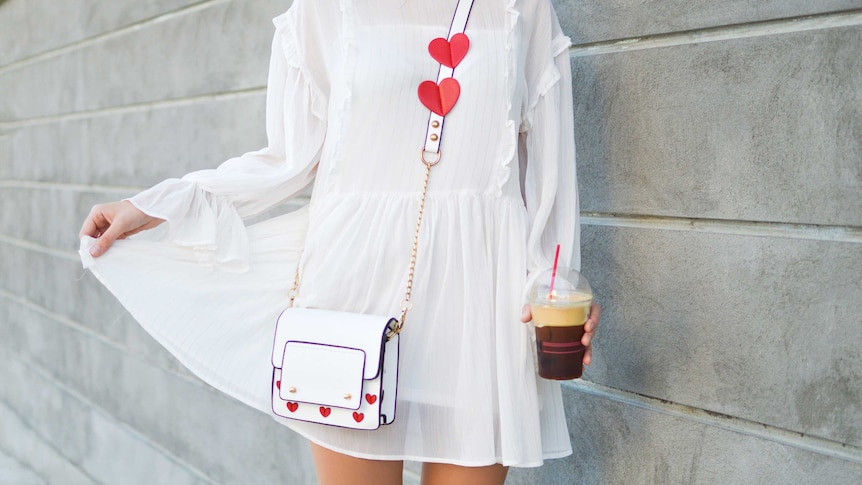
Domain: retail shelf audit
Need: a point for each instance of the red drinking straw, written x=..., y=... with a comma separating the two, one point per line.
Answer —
x=554, y=273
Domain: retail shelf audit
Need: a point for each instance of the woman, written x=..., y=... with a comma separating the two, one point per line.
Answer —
x=342, y=111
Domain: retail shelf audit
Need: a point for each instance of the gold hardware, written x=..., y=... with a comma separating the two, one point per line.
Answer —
x=347, y=396
x=434, y=137
x=435, y=124
x=422, y=153
x=291, y=390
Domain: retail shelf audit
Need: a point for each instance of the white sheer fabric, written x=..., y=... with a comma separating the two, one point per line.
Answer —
x=342, y=112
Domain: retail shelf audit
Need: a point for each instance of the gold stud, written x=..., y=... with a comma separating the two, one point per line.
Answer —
x=435, y=124
x=291, y=390
x=434, y=137
x=347, y=396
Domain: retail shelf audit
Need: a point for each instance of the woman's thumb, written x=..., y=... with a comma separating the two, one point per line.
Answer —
x=106, y=239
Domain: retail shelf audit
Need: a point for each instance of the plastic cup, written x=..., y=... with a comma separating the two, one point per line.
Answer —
x=559, y=316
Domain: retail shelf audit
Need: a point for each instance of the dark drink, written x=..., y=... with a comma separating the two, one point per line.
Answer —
x=559, y=327
x=560, y=352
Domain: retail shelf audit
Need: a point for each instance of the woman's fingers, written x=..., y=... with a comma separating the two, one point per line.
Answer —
x=526, y=314
x=107, y=237
x=590, y=331
x=117, y=220
x=593, y=322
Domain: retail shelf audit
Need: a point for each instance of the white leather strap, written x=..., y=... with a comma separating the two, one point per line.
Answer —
x=434, y=133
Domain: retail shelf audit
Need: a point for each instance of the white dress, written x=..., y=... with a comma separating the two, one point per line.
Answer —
x=343, y=113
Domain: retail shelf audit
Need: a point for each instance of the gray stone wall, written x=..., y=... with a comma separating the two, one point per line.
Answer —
x=720, y=166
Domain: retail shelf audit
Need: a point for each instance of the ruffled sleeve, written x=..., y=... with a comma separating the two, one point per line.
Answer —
x=550, y=184
x=204, y=209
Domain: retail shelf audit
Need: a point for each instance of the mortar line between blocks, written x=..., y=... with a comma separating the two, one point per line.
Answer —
x=815, y=232
x=46, y=442
x=734, y=424
x=133, y=108
x=21, y=243
x=845, y=18
x=125, y=29
x=135, y=434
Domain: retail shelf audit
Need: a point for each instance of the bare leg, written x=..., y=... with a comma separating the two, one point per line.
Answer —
x=443, y=474
x=338, y=469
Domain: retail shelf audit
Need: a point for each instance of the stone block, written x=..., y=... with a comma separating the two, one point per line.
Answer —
x=219, y=49
x=135, y=148
x=763, y=329
x=34, y=451
x=32, y=27
x=13, y=472
x=588, y=22
x=616, y=443
x=764, y=129
x=61, y=287
x=193, y=423
x=57, y=214
x=103, y=448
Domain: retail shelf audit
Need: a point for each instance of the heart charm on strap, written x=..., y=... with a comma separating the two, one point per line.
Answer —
x=451, y=52
x=440, y=98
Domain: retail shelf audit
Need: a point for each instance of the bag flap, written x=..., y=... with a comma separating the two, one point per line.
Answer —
x=322, y=374
x=338, y=329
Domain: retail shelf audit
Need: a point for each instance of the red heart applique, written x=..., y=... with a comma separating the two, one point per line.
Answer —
x=440, y=99
x=278, y=384
x=292, y=406
x=371, y=398
x=451, y=52
x=358, y=417
x=325, y=411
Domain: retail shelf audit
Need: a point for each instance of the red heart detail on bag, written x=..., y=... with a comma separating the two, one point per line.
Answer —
x=371, y=398
x=292, y=406
x=451, y=52
x=358, y=417
x=278, y=384
x=325, y=411
x=440, y=98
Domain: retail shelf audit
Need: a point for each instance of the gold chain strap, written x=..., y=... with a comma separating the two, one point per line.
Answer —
x=407, y=302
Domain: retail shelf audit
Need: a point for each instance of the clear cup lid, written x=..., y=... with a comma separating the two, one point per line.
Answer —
x=569, y=285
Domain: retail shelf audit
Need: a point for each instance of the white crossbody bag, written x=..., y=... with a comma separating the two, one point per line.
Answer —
x=341, y=368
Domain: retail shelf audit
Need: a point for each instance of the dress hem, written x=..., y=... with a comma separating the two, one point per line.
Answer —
x=427, y=459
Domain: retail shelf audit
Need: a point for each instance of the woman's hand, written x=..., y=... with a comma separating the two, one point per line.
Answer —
x=589, y=328
x=116, y=220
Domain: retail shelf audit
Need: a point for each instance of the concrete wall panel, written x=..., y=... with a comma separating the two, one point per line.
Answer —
x=137, y=147
x=616, y=443
x=46, y=24
x=223, y=48
x=764, y=329
x=229, y=440
x=77, y=296
x=615, y=19
x=102, y=446
x=766, y=128
x=66, y=209
x=32, y=450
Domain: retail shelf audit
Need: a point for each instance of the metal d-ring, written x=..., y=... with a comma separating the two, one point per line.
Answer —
x=422, y=153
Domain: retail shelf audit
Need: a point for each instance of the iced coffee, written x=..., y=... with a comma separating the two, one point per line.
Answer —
x=560, y=305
